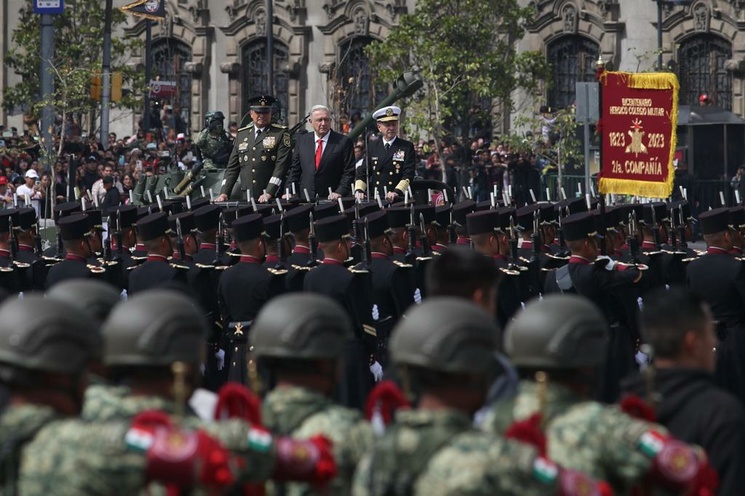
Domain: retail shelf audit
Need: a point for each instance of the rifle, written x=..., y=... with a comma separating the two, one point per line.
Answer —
x=534, y=262
x=410, y=256
x=452, y=235
x=513, y=265
x=180, y=240
x=603, y=229
x=563, y=251
x=312, y=243
x=219, y=240
x=38, y=250
x=12, y=241
x=673, y=233
x=423, y=237
x=682, y=229
x=632, y=240
x=118, y=237
x=364, y=241
x=107, y=244
x=281, y=255
x=655, y=230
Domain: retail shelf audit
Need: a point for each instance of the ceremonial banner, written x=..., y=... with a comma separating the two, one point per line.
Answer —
x=155, y=10
x=639, y=115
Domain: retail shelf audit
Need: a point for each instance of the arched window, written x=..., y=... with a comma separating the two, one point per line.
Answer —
x=572, y=60
x=255, y=73
x=701, y=59
x=355, y=90
x=169, y=59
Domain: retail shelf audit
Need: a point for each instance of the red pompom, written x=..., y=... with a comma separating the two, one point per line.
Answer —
x=237, y=401
x=387, y=397
x=529, y=431
x=636, y=407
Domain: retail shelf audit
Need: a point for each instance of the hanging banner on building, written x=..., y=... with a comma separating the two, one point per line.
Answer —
x=155, y=10
x=638, y=119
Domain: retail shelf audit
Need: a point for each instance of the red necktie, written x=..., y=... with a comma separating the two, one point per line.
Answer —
x=319, y=152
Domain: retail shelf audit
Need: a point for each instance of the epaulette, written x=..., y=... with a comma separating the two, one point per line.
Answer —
x=222, y=267
x=510, y=272
x=277, y=272
x=110, y=263
x=523, y=259
x=96, y=269
x=403, y=265
x=423, y=259
x=6, y=269
x=556, y=257
x=247, y=127
x=21, y=265
x=689, y=259
x=651, y=253
x=700, y=253
x=178, y=266
x=204, y=266
x=139, y=259
x=301, y=267
x=230, y=253
x=278, y=126
x=358, y=271
x=51, y=259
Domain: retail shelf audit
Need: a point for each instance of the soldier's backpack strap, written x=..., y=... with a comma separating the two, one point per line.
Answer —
x=564, y=279
x=393, y=473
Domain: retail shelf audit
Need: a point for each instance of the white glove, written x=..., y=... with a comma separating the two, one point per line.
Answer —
x=611, y=263
x=220, y=355
x=377, y=371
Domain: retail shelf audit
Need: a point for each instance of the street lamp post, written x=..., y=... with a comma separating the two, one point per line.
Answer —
x=660, y=4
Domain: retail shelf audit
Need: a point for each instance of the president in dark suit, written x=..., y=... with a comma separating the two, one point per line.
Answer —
x=322, y=160
x=392, y=160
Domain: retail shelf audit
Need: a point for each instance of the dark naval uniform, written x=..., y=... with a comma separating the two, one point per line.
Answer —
x=262, y=160
x=391, y=164
x=391, y=168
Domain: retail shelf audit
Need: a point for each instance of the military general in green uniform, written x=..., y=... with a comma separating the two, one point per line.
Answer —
x=262, y=154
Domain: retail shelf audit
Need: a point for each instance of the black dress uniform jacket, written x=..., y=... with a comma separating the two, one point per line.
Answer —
x=614, y=293
x=156, y=272
x=392, y=169
x=351, y=290
x=392, y=294
x=261, y=161
x=720, y=279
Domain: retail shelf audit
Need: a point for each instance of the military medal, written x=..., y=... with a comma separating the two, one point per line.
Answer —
x=269, y=142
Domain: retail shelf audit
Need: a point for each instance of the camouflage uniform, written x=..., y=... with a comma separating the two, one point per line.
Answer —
x=439, y=454
x=597, y=439
x=302, y=413
x=215, y=149
x=115, y=403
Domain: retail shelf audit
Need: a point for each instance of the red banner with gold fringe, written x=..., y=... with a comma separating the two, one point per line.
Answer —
x=639, y=115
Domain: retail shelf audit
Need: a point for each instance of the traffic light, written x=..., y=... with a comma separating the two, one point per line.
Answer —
x=96, y=87
x=116, y=86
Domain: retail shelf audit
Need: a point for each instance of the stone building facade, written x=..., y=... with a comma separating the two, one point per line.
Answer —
x=216, y=50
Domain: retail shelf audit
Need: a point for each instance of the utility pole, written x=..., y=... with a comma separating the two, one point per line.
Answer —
x=47, y=86
x=270, y=46
x=106, y=76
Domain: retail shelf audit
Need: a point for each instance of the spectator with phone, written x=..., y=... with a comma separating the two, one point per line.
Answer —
x=31, y=190
x=6, y=194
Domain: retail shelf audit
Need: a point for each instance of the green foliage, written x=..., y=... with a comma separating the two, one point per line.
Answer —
x=465, y=52
x=565, y=146
x=78, y=55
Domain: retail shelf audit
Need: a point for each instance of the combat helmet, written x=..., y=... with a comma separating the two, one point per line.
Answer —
x=561, y=331
x=213, y=115
x=300, y=326
x=154, y=328
x=95, y=298
x=41, y=335
x=449, y=335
